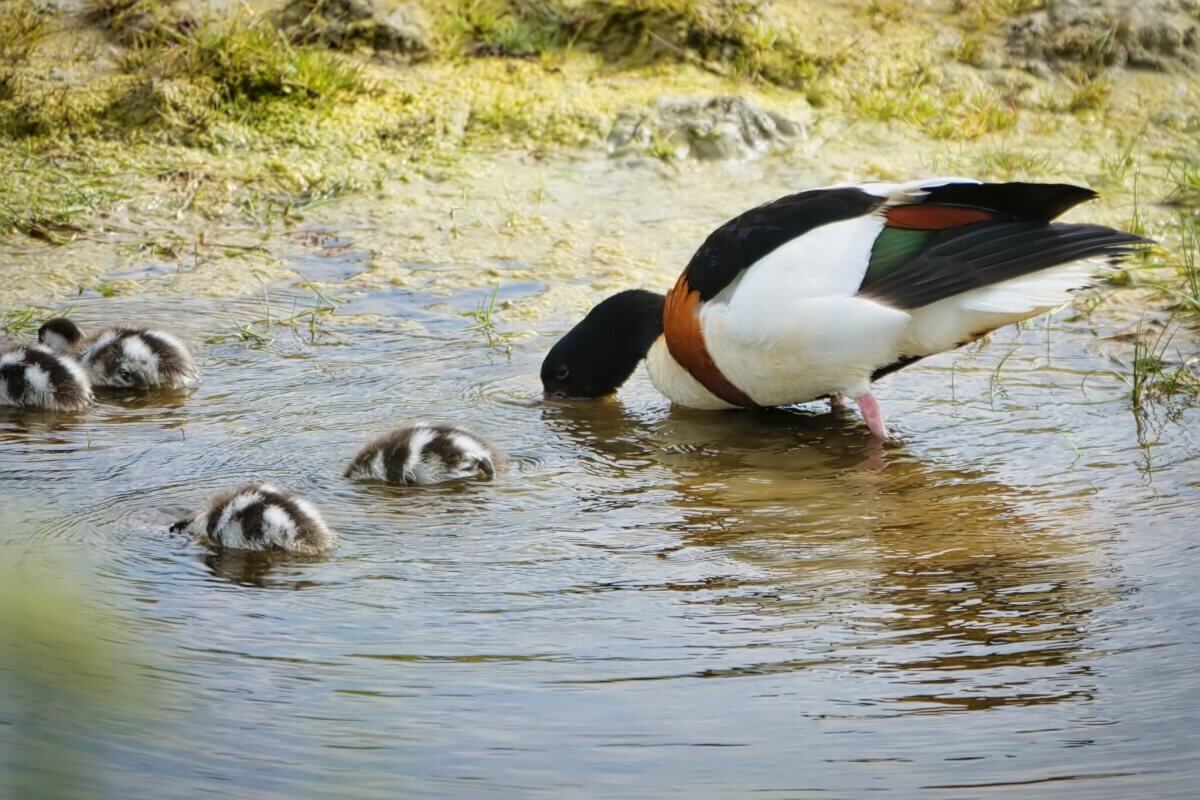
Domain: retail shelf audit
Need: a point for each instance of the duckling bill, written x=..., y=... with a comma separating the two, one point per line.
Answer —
x=259, y=516
x=123, y=357
x=821, y=293
x=422, y=455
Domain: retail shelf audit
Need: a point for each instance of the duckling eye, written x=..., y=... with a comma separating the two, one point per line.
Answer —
x=562, y=372
x=124, y=374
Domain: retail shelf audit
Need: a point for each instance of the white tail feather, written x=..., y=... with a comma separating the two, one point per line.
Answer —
x=949, y=323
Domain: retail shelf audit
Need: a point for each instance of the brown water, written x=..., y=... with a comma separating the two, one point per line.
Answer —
x=644, y=603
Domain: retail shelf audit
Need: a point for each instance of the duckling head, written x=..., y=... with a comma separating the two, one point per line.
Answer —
x=61, y=335
x=599, y=354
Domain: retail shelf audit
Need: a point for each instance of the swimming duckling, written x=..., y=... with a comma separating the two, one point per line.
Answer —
x=423, y=454
x=259, y=516
x=125, y=358
x=37, y=377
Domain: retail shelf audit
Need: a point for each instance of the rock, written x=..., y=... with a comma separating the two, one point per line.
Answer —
x=717, y=128
x=1160, y=35
x=347, y=24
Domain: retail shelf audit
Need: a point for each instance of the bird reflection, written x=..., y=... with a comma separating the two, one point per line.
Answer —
x=925, y=572
x=53, y=428
x=259, y=568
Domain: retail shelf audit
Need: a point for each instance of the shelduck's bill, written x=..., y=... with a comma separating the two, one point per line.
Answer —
x=823, y=292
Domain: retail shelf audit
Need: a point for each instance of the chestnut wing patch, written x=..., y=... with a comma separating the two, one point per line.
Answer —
x=961, y=236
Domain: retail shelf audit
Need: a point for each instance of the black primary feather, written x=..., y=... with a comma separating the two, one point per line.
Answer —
x=960, y=259
x=1016, y=200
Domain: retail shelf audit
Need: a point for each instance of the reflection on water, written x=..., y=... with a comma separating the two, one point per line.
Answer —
x=644, y=601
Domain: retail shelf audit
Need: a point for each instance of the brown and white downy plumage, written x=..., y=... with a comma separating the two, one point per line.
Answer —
x=259, y=516
x=818, y=294
x=125, y=358
x=423, y=454
x=34, y=376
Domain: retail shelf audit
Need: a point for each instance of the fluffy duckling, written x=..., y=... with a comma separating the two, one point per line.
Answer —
x=259, y=516
x=423, y=454
x=125, y=358
x=37, y=377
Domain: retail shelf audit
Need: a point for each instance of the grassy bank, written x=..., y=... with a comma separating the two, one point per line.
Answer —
x=119, y=101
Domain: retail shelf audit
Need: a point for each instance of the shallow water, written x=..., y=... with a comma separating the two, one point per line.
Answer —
x=645, y=602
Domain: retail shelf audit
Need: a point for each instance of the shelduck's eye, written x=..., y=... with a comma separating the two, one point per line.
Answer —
x=562, y=372
x=125, y=375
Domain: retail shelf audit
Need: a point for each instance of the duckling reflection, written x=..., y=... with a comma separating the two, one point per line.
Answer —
x=932, y=575
x=38, y=426
x=259, y=568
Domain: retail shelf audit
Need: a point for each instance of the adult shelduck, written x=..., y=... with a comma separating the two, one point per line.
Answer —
x=125, y=358
x=820, y=293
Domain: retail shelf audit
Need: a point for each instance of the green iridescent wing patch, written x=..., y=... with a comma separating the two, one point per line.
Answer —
x=894, y=248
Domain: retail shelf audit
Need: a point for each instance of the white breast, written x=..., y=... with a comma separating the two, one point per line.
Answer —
x=790, y=329
x=676, y=383
x=802, y=348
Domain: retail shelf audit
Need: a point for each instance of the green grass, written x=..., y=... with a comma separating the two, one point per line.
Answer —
x=733, y=38
x=983, y=14
x=22, y=25
x=1189, y=261
x=914, y=97
x=48, y=197
x=1156, y=376
x=1114, y=169
x=485, y=322
x=181, y=82
x=18, y=321
x=1089, y=93
x=1007, y=162
x=306, y=323
x=883, y=12
x=1185, y=174
x=969, y=49
x=141, y=22
x=248, y=60
x=342, y=25
x=1181, y=286
x=504, y=27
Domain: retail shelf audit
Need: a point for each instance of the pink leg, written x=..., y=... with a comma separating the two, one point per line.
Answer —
x=868, y=406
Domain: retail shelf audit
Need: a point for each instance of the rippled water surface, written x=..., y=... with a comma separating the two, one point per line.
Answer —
x=645, y=602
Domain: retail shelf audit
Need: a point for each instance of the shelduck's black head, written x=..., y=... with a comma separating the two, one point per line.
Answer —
x=60, y=334
x=600, y=353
